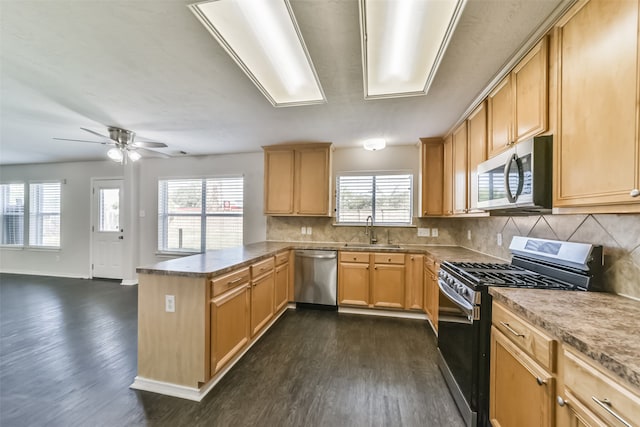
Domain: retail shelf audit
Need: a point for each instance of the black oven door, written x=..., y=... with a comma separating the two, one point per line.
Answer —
x=460, y=351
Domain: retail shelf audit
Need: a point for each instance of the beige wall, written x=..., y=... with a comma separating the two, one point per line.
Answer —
x=619, y=234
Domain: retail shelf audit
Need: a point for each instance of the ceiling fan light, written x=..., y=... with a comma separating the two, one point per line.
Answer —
x=134, y=156
x=374, y=144
x=115, y=154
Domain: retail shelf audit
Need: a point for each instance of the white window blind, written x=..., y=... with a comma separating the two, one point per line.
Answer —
x=44, y=214
x=386, y=198
x=12, y=221
x=200, y=214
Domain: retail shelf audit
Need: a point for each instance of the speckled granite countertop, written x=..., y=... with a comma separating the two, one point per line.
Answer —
x=604, y=327
x=221, y=261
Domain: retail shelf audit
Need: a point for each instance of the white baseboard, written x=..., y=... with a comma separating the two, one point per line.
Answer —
x=383, y=313
x=39, y=273
x=129, y=282
x=195, y=394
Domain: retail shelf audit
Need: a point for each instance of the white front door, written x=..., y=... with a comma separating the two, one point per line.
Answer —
x=107, y=231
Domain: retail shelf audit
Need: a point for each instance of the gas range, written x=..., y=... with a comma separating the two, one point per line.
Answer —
x=464, y=325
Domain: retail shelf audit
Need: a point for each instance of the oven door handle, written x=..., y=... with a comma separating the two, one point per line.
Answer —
x=460, y=302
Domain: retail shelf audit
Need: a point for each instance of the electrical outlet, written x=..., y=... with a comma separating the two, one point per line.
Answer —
x=170, y=303
x=303, y=230
x=309, y=229
x=468, y=234
x=424, y=232
x=434, y=232
x=499, y=239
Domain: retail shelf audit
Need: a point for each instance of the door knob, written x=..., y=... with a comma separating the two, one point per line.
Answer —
x=120, y=237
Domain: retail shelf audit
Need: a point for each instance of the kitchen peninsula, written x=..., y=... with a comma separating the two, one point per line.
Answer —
x=199, y=314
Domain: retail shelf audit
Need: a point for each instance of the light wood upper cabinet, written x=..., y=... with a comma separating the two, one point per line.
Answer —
x=518, y=106
x=477, y=135
x=460, y=171
x=278, y=181
x=500, y=113
x=597, y=155
x=297, y=179
x=531, y=89
x=432, y=157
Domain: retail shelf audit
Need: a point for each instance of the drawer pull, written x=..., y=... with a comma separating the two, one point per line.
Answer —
x=562, y=402
x=540, y=381
x=235, y=281
x=389, y=259
x=606, y=405
x=355, y=258
x=510, y=329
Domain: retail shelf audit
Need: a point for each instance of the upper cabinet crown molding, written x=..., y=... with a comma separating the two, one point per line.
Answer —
x=297, y=179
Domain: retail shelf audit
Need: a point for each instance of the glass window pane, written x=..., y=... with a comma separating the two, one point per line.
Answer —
x=12, y=214
x=355, y=198
x=224, y=231
x=44, y=214
x=183, y=233
x=393, y=199
x=109, y=209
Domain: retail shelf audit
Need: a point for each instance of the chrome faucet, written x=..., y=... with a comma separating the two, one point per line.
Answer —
x=368, y=230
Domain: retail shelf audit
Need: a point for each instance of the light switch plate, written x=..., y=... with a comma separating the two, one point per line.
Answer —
x=309, y=230
x=303, y=230
x=499, y=239
x=434, y=232
x=424, y=232
x=468, y=234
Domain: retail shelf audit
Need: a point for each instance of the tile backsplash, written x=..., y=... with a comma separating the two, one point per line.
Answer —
x=619, y=234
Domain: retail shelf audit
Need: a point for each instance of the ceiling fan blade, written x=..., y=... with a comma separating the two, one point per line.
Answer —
x=95, y=133
x=152, y=153
x=83, y=140
x=148, y=144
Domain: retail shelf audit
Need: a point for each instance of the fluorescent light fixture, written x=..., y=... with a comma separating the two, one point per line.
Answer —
x=264, y=39
x=403, y=42
x=374, y=144
x=115, y=154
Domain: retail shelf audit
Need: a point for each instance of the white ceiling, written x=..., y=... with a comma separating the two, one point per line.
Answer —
x=151, y=67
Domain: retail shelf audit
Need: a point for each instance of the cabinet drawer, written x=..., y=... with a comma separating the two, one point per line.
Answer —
x=262, y=267
x=526, y=336
x=590, y=386
x=388, y=258
x=354, y=257
x=222, y=284
x=282, y=257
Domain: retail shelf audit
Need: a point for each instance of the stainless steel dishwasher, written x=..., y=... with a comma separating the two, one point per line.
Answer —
x=315, y=278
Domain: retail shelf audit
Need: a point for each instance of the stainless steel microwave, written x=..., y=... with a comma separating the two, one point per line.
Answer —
x=519, y=180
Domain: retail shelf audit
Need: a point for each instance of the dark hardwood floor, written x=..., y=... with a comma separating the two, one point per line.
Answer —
x=68, y=355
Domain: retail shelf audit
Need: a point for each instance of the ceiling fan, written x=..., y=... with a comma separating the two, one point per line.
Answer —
x=125, y=145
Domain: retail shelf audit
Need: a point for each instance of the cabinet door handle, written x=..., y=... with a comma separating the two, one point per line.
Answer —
x=561, y=401
x=606, y=405
x=540, y=381
x=634, y=193
x=510, y=329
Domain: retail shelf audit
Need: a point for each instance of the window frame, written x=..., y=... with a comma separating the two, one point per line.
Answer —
x=163, y=216
x=375, y=173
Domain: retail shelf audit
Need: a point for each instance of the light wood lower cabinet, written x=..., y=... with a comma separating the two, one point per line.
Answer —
x=593, y=398
x=522, y=393
x=353, y=279
x=431, y=290
x=387, y=285
x=262, y=296
x=414, y=282
x=282, y=275
x=230, y=325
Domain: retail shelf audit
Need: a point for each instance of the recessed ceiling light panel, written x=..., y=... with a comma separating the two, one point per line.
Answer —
x=264, y=39
x=403, y=42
